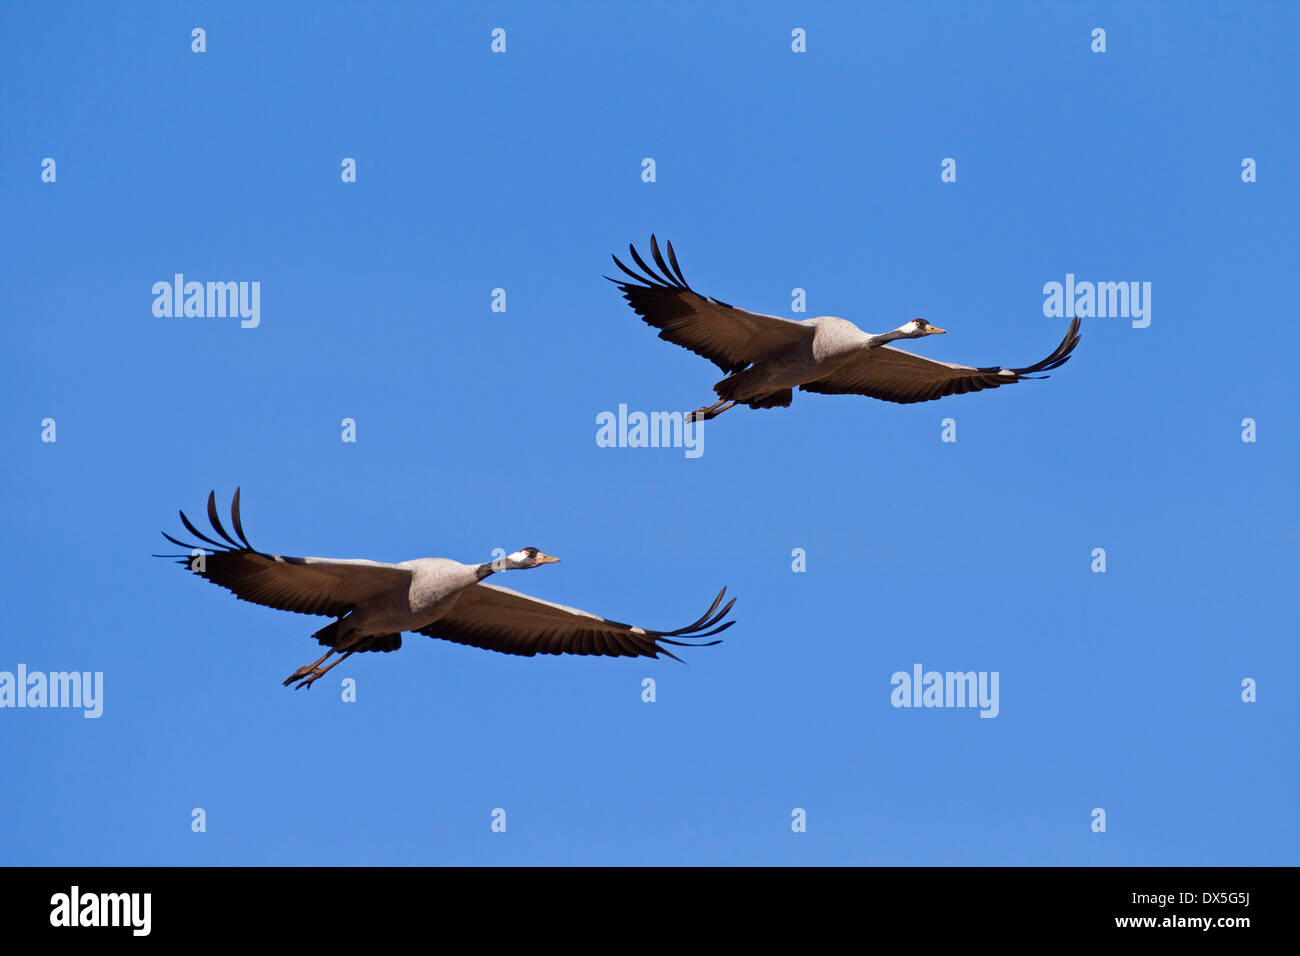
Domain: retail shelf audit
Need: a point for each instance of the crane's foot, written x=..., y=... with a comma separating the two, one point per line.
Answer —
x=315, y=675
x=299, y=674
x=306, y=669
x=708, y=411
x=307, y=675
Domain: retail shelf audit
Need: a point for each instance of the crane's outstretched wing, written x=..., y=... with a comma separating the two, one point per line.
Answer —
x=896, y=376
x=306, y=585
x=499, y=619
x=729, y=337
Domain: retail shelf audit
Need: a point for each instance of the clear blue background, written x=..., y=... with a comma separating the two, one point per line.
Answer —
x=476, y=429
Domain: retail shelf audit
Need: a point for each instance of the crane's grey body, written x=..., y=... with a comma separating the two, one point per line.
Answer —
x=831, y=342
x=410, y=605
x=767, y=357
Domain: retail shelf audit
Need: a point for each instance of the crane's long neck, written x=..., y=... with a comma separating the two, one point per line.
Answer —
x=882, y=338
x=511, y=562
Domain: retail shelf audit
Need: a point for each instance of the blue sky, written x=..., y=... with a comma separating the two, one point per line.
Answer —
x=476, y=429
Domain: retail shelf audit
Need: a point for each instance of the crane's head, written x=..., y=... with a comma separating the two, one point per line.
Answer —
x=919, y=327
x=527, y=558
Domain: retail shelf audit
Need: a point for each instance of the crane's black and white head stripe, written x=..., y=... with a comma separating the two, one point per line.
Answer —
x=918, y=327
x=528, y=558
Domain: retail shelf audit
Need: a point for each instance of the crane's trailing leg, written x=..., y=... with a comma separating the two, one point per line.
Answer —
x=709, y=411
x=318, y=672
x=306, y=669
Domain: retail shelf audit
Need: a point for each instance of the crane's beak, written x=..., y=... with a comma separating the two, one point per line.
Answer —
x=546, y=559
x=935, y=330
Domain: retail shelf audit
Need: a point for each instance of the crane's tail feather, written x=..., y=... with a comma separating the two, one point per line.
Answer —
x=329, y=636
x=780, y=399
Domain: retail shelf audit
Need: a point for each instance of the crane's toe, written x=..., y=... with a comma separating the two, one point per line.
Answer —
x=313, y=674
